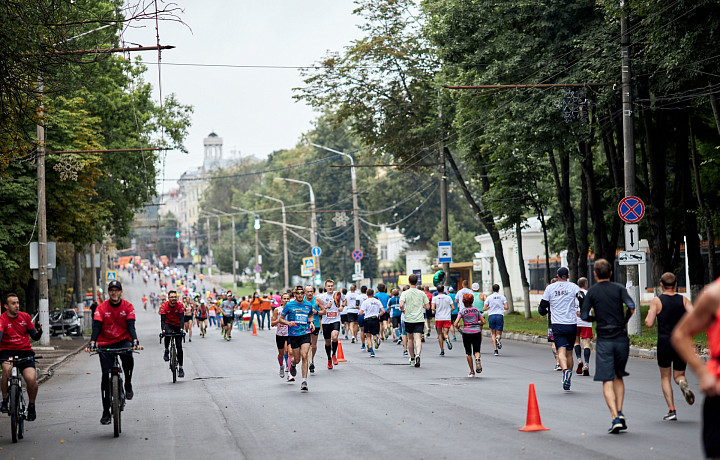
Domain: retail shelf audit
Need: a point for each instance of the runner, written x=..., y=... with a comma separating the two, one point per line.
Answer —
x=382, y=295
x=297, y=314
x=372, y=309
x=172, y=316
x=310, y=298
x=395, y=315
x=330, y=304
x=228, y=311
x=344, y=317
x=442, y=308
x=496, y=304
x=352, y=312
x=612, y=347
x=412, y=303
x=428, y=312
x=203, y=317
x=705, y=316
x=453, y=313
x=362, y=297
x=144, y=298
x=584, y=332
x=559, y=298
x=281, y=337
x=473, y=322
x=189, y=307
x=669, y=308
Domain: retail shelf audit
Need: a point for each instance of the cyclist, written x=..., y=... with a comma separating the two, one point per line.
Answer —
x=172, y=317
x=15, y=327
x=114, y=327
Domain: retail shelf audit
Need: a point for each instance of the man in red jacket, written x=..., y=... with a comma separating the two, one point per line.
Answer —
x=172, y=319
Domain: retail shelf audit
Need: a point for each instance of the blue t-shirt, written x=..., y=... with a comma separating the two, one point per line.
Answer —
x=299, y=313
x=383, y=297
x=316, y=315
x=394, y=307
x=455, y=309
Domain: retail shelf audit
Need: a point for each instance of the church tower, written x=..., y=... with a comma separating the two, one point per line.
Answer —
x=213, y=152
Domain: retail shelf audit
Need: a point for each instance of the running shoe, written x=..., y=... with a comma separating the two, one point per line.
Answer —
x=496, y=353
x=290, y=378
x=312, y=367
x=368, y=349
x=31, y=414
x=166, y=356
x=105, y=419
x=405, y=352
x=442, y=352
x=454, y=338
x=412, y=361
x=671, y=416
x=557, y=367
x=622, y=420
x=567, y=375
x=352, y=340
x=129, y=393
x=346, y=337
x=335, y=360
x=579, y=368
x=377, y=342
x=189, y=339
x=330, y=366
x=372, y=353
x=478, y=366
x=399, y=341
x=303, y=386
x=616, y=426
x=449, y=343
x=499, y=344
x=471, y=374
x=689, y=396
x=282, y=372
x=586, y=370
x=293, y=371
x=417, y=361
x=362, y=347
x=181, y=373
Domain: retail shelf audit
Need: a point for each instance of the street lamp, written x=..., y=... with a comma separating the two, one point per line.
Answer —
x=313, y=217
x=285, y=248
x=207, y=221
x=233, y=244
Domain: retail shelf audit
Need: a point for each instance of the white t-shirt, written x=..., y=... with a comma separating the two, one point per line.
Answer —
x=496, y=304
x=360, y=299
x=351, y=298
x=580, y=322
x=371, y=307
x=332, y=313
x=443, y=307
x=561, y=296
x=459, y=296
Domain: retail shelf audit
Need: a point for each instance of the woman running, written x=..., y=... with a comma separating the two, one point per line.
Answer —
x=473, y=322
x=189, y=306
x=281, y=335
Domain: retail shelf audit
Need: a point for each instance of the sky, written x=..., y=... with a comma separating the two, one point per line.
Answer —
x=252, y=109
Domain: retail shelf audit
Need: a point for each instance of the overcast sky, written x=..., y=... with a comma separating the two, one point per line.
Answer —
x=251, y=109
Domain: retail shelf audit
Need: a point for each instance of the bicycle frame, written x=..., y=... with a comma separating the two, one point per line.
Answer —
x=16, y=399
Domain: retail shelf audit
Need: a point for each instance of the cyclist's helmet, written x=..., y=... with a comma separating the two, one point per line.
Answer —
x=114, y=284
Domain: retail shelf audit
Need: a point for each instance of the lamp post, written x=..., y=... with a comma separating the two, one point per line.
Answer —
x=233, y=244
x=313, y=217
x=285, y=248
x=207, y=216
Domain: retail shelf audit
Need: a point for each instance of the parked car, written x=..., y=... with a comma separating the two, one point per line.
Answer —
x=70, y=319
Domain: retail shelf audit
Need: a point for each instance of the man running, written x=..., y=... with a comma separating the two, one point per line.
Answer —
x=312, y=300
x=298, y=316
x=362, y=297
x=559, y=298
x=584, y=332
x=395, y=315
x=344, y=324
x=382, y=295
x=669, y=308
x=495, y=305
x=16, y=330
x=172, y=316
x=330, y=304
x=442, y=306
x=351, y=300
x=612, y=347
x=372, y=309
x=281, y=336
x=413, y=303
x=228, y=309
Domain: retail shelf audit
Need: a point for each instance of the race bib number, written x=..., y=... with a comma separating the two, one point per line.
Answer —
x=331, y=314
x=301, y=318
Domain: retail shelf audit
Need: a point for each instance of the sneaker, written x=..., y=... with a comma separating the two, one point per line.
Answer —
x=616, y=426
x=368, y=349
x=290, y=378
x=417, y=361
x=129, y=393
x=471, y=374
x=496, y=353
x=166, y=356
x=478, y=366
x=671, y=416
x=412, y=361
x=105, y=419
x=377, y=342
x=293, y=371
x=282, y=372
x=303, y=386
x=31, y=414
x=405, y=352
x=622, y=420
x=189, y=339
x=312, y=367
x=346, y=337
x=330, y=366
x=422, y=339
x=689, y=396
x=181, y=373
x=372, y=353
x=352, y=340
x=567, y=375
x=442, y=352
x=454, y=338
x=335, y=360
x=557, y=367
x=579, y=368
x=499, y=344
x=586, y=371
x=362, y=347
x=449, y=343
x=4, y=406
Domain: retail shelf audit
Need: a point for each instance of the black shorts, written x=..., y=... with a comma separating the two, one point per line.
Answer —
x=711, y=427
x=316, y=331
x=228, y=320
x=343, y=318
x=385, y=317
x=329, y=327
x=453, y=317
x=372, y=325
x=472, y=343
x=395, y=322
x=280, y=341
x=5, y=354
x=296, y=340
x=611, y=356
x=414, y=328
x=188, y=318
x=352, y=317
x=429, y=314
x=202, y=318
x=667, y=356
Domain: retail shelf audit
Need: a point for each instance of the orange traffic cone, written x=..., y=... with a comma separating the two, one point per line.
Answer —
x=533, y=422
x=254, y=332
x=340, y=354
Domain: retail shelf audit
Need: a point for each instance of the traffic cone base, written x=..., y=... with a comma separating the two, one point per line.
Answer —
x=340, y=354
x=533, y=422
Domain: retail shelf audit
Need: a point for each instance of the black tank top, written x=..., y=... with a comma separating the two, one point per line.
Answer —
x=673, y=308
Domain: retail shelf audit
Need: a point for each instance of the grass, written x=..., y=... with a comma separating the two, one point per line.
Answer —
x=241, y=291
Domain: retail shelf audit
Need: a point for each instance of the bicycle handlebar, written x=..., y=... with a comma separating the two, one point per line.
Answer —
x=115, y=351
x=172, y=334
x=15, y=359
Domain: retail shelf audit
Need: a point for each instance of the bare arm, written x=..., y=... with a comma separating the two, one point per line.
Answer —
x=506, y=306
x=655, y=308
x=274, y=320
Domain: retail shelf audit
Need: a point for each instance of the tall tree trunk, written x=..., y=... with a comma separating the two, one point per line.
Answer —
x=523, y=274
x=562, y=186
x=583, y=243
x=487, y=220
x=78, y=282
x=707, y=215
x=602, y=248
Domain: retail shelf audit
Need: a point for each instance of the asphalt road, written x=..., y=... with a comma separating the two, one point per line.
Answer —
x=232, y=403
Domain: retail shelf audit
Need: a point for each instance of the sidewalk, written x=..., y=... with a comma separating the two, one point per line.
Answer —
x=56, y=354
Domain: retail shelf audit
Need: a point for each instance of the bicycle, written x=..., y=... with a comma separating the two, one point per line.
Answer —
x=173, y=351
x=16, y=409
x=117, y=391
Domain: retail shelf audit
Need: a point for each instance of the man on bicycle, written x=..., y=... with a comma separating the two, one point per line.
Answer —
x=114, y=327
x=15, y=327
x=172, y=319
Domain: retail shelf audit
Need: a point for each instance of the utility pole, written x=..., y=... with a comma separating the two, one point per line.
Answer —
x=44, y=301
x=443, y=195
x=234, y=263
x=103, y=268
x=94, y=272
x=313, y=218
x=285, y=246
x=633, y=278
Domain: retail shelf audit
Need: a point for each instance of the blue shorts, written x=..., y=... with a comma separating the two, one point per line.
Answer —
x=361, y=320
x=564, y=335
x=496, y=322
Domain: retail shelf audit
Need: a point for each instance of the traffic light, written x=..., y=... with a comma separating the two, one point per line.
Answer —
x=257, y=223
x=177, y=235
x=192, y=252
x=318, y=279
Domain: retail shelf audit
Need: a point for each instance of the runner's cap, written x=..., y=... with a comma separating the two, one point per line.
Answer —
x=475, y=287
x=114, y=284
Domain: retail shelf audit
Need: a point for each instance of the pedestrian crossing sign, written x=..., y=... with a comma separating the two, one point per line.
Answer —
x=309, y=263
x=110, y=275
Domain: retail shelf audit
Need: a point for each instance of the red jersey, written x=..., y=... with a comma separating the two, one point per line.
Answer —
x=114, y=322
x=203, y=310
x=15, y=331
x=172, y=314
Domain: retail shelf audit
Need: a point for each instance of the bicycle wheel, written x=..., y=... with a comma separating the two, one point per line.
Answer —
x=115, y=387
x=173, y=362
x=14, y=411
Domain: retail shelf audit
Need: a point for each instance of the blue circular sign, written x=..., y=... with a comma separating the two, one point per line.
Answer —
x=631, y=209
x=316, y=251
x=357, y=255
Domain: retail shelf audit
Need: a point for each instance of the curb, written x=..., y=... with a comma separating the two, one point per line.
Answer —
x=51, y=370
